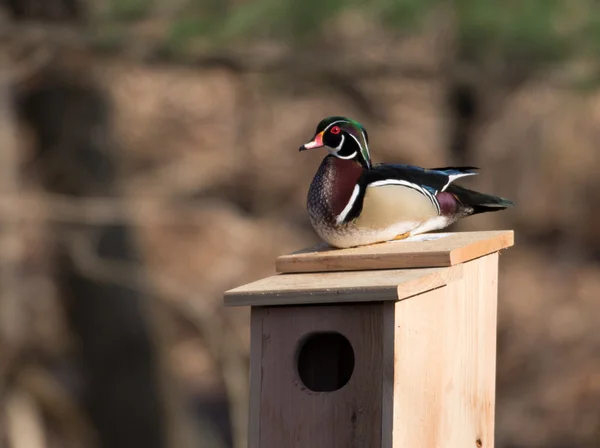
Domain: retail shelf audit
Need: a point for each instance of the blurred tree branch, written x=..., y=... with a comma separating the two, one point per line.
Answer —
x=40, y=207
x=221, y=339
x=57, y=404
x=25, y=428
x=11, y=313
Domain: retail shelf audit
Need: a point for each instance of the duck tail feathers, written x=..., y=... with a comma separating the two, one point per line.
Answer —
x=480, y=202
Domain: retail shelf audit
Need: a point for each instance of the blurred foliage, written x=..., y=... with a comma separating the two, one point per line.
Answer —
x=526, y=33
x=402, y=14
x=129, y=10
x=513, y=29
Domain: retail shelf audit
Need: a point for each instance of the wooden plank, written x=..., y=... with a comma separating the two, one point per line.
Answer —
x=256, y=341
x=334, y=287
x=448, y=250
x=389, y=360
x=291, y=415
x=445, y=352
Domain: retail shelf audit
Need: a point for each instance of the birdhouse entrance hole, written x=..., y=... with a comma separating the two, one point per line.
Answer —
x=325, y=361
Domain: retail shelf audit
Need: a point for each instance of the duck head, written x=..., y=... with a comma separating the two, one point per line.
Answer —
x=343, y=138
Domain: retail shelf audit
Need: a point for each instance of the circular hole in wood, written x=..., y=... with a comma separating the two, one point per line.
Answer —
x=325, y=361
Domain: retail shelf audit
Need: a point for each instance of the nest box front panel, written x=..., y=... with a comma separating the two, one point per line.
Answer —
x=318, y=375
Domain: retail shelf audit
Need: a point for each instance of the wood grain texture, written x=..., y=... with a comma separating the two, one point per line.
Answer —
x=292, y=416
x=256, y=341
x=424, y=372
x=337, y=287
x=445, y=352
x=447, y=251
x=389, y=365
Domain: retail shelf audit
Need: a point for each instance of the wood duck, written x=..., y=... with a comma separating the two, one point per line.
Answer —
x=353, y=203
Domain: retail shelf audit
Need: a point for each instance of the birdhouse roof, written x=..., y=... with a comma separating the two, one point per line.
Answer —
x=387, y=271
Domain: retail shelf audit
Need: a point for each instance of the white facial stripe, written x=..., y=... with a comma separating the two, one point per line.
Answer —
x=364, y=136
x=334, y=153
x=341, y=143
x=340, y=219
x=453, y=177
x=355, y=139
x=405, y=183
x=366, y=144
x=339, y=121
x=358, y=143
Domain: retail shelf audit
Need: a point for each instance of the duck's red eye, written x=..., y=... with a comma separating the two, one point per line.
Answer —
x=335, y=130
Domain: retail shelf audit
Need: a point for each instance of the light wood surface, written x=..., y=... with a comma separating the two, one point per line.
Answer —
x=451, y=249
x=285, y=413
x=445, y=359
x=256, y=343
x=354, y=286
x=424, y=372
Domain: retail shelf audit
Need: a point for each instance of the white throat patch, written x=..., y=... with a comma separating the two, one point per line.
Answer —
x=335, y=151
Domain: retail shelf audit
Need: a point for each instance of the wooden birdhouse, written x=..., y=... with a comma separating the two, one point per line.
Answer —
x=389, y=345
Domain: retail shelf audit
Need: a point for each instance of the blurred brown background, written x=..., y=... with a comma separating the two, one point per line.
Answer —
x=149, y=162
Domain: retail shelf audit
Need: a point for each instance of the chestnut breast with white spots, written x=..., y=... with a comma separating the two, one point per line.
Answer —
x=331, y=190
